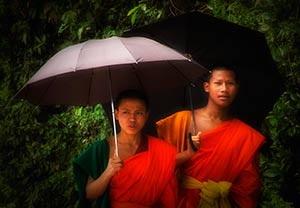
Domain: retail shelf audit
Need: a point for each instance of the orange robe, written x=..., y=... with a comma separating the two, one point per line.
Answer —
x=227, y=153
x=148, y=178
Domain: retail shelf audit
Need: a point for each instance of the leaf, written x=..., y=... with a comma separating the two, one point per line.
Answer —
x=264, y=27
x=79, y=32
x=132, y=19
x=271, y=173
x=273, y=121
x=133, y=10
x=24, y=38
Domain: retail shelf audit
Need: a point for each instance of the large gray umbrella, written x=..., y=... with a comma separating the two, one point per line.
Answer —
x=95, y=71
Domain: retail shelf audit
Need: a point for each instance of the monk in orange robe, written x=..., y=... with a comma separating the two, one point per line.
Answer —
x=224, y=172
x=143, y=174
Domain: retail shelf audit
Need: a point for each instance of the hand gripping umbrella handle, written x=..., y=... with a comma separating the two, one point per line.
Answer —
x=114, y=128
x=191, y=142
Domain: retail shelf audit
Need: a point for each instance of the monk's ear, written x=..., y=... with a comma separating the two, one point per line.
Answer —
x=205, y=86
x=116, y=114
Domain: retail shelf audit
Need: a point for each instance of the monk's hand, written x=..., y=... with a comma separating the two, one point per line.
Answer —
x=197, y=140
x=194, y=143
x=114, y=165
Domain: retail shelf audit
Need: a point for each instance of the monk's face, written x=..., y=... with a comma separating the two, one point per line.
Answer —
x=132, y=115
x=222, y=87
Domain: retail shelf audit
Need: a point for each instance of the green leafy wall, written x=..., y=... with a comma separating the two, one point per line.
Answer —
x=37, y=144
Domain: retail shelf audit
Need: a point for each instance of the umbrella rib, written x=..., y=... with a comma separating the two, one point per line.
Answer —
x=129, y=52
x=47, y=89
x=138, y=77
x=180, y=73
x=76, y=66
x=90, y=87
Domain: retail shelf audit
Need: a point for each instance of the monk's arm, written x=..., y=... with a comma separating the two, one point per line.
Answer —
x=95, y=188
x=182, y=157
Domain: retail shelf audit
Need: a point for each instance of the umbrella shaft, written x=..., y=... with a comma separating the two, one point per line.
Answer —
x=113, y=114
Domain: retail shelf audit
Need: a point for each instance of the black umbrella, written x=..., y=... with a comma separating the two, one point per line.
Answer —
x=209, y=41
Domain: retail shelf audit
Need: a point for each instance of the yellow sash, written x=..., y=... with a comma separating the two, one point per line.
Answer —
x=212, y=195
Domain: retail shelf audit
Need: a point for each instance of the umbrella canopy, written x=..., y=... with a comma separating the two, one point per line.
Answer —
x=96, y=71
x=209, y=41
x=82, y=74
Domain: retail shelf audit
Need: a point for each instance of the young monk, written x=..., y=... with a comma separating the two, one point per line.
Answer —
x=224, y=172
x=144, y=173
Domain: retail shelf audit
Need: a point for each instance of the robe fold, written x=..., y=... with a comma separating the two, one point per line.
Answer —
x=147, y=179
x=227, y=153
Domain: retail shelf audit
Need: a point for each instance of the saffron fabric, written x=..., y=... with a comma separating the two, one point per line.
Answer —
x=227, y=153
x=147, y=180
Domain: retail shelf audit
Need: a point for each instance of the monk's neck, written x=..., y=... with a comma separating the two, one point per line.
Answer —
x=127, y=139
x=216, y=114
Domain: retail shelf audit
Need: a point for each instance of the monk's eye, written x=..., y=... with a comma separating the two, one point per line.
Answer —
x=140, y=113
x=218, y=83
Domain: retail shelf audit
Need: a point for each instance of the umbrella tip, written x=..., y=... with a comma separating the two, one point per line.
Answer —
x=188, y=56
x=192, y=84
x=139, y=60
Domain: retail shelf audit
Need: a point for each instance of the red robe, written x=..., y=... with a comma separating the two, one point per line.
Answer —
x=227, y=153
x=148, y=178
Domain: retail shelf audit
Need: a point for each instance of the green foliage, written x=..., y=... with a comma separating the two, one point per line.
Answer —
x=38, y=144
x=281, y=161
x=141, y=10
x=144, y=13
x=38, y=151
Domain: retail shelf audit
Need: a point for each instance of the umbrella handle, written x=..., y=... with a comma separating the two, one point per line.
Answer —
x=192, y=108
x=114, y=128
